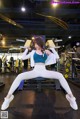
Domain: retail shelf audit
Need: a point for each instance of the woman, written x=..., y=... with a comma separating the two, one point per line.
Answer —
x=39, y=58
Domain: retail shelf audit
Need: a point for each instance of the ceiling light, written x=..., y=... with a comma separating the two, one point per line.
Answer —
x=70, y=37
x=77, y=43
x=55, y=4
x=63, y=46
x=23, y=9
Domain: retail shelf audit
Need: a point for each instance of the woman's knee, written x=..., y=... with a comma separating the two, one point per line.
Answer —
x=19, y=77
x=60, y=76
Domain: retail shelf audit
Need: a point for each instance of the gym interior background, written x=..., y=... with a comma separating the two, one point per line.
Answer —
x=58, y=22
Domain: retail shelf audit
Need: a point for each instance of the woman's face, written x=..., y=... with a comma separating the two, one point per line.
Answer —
x=37, y=46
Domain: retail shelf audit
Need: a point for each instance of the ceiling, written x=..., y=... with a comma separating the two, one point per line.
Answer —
x=39, y=25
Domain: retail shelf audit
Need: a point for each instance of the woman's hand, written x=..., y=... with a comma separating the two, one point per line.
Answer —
x=47, y=52
x=28, y=48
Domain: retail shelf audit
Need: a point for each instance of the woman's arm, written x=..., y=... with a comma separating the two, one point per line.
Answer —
x=25, y=55
x=48, y=52
x=55, y=52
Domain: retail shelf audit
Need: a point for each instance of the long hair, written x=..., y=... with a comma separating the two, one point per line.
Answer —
x=39, y=41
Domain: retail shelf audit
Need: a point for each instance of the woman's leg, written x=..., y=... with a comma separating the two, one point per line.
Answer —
x=19, y=78
x=64, y=84
x=56, y=75
x=15, y=84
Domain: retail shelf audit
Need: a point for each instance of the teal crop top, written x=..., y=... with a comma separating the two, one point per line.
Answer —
x=40, y=58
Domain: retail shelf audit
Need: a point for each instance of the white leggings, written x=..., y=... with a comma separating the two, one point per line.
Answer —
x=40, y=71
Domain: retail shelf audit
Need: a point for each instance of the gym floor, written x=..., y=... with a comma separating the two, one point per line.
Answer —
x=48, y=104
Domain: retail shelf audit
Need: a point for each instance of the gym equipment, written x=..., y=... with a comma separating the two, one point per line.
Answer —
x=21, y=85
x=68, y=64
x=66, y=76
x=39, y=83
x=76, y=67
x=2, y=84
x=67, y=70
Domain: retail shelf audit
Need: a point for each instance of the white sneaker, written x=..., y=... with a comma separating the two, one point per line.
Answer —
x=72, y=102
x=6, y=103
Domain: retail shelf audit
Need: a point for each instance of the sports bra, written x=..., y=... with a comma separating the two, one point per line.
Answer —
x=40, y=58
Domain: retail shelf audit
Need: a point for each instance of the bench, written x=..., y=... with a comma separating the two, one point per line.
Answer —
x=39, y=83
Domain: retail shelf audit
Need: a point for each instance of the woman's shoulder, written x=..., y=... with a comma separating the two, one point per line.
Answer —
x=48, y=52
x=33, y=51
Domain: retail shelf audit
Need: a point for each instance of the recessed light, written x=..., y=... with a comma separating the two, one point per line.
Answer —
x=63, y=46
x=70, y=37
x=23, y=9
x=77, y=43
x=55, y=3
